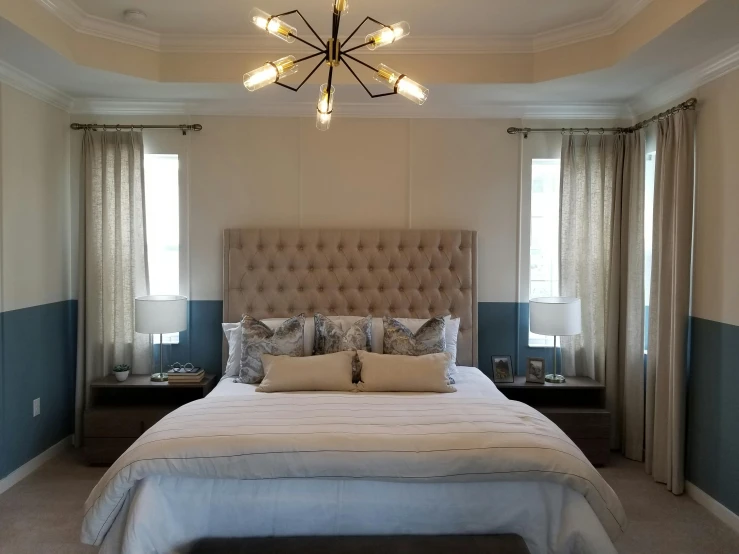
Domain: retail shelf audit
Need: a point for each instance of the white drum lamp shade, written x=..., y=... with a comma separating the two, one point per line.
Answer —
x=555, y=316
x=160, y=314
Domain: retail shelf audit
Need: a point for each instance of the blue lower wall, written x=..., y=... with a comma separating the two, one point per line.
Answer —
x=37, y=360
x=712, y=456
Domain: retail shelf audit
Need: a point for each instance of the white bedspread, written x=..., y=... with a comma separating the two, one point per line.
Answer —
x=254, y=464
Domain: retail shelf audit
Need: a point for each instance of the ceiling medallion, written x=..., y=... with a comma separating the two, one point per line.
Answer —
x=333, y=55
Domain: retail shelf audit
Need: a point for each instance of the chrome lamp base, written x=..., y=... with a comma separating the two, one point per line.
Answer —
x=554, y=378
x=159, y=377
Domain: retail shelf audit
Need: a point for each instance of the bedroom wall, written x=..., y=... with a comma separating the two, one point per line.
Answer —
x=37, y=307
x=400, y=173
x=713, y=412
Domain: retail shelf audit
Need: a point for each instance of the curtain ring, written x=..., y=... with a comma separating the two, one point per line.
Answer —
x=118, y=127
x=586, y=132
x=563, y=131
x=571, y=131
x=602, y=131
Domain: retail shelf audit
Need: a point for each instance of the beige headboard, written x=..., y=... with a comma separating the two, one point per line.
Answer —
x=401, y=273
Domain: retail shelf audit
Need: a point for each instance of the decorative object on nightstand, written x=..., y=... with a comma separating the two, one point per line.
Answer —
x=535, y=369
x=121, y=372
x=555, y=316
x=119, y=413
x=185, y=373
x=502, y=369
x=157, y=315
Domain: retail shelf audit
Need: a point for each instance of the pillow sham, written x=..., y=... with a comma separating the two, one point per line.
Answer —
x=399, y=340
x=390, y=373
x=232, y=331
x=330, y=372
x=451, y=335
x=257, y=339
x=331, y=336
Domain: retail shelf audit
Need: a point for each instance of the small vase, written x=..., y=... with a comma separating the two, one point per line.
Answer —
x=121, y=375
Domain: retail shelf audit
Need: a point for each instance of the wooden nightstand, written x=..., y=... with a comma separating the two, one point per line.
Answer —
x=119, y=413
x=575, y=406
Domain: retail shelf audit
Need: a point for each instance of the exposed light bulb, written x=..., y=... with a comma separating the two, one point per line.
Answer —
x=388, y=35
x=341, y=6
x=324, y=108
x=270, y=73
x=273, y=25
x=401, y=84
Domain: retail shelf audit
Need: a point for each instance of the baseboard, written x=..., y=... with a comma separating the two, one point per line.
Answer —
x=32, y=465
x=712, y=505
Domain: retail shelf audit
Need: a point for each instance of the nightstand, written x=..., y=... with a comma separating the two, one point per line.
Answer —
x=119, y=413
x=575, y=406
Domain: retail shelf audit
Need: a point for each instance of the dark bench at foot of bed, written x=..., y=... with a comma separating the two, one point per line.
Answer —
x=469, y=544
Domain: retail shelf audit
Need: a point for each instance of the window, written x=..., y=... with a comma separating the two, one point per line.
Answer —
x=544, y=244
x=162, y=197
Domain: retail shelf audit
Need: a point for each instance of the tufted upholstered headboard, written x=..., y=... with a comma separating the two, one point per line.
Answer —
x=401, y=273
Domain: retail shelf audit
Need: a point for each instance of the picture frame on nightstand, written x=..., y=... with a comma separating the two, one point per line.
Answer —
x=535, y=370
x=502, y=369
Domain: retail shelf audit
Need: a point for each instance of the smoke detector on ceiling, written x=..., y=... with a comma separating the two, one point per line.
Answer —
x=134, y=16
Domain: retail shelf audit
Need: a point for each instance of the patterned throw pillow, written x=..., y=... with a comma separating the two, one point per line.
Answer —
x=398, y=340
x=258, y=339
x=331, y=338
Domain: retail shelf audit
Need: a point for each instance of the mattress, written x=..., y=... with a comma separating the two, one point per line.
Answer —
x=164, y=511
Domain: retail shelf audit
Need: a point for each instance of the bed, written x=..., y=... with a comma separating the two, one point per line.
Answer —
x=245, y=464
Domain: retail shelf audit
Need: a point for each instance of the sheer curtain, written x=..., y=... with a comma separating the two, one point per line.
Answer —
x=669, y=306
x=113, y=261
x=602, y=263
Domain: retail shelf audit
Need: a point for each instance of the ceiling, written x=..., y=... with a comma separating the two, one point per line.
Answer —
x=428, y=18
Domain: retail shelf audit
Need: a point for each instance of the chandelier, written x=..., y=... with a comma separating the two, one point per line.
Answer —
x=333, y=55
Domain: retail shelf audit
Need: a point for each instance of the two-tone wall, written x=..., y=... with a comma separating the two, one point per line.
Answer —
x=713, y=386
x=37, y=311
x=393, y=173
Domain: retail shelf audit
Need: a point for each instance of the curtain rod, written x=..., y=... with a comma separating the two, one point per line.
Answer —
x=687, y=105
x=118, y=127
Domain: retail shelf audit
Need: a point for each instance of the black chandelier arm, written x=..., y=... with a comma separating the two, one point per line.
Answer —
x=320, y=40
x=296, y=89
x=321, y=53
x=358, y=46
x=321, y=49
x=328, y=88
x=365, y=86
x=354, y=32
x=368, y=66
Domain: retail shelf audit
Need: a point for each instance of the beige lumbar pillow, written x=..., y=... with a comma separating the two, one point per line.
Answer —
x=332, y=372
x=390, y=373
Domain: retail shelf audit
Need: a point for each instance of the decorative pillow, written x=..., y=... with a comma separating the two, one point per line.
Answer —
x=399, y=340
x=385, y=373
x=330, y=337
x=257, y=339
x=451, y=334
x=332, y=372
x=233, y=336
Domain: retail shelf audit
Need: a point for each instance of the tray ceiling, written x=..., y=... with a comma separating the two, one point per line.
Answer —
x=527, y=18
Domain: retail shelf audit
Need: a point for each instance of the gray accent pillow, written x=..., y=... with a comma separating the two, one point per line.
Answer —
x=398, y=340
x=331, y=338
x=258, y=339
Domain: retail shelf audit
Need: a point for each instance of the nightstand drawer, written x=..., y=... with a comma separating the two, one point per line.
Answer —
x=581, y=423
x=121, y=422
x=106, y=451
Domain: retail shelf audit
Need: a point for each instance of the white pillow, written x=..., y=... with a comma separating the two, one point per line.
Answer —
x=330, y=372
x=388, y=373
x=233, y=336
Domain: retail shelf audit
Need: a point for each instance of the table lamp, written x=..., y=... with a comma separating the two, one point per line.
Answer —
x=160, y=314
x=558, y=317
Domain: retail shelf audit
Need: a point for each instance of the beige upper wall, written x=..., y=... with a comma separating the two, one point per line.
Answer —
x=392, y=173
x=35, y=220
x=716, y=258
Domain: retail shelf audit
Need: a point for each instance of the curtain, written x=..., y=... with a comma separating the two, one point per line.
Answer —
x=669, y=306
x=602, y=263
x=113, y=261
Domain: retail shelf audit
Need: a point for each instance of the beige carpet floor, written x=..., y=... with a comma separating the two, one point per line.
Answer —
x=42, y=513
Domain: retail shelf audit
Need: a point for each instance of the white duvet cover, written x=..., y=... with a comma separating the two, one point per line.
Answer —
x=240, y=463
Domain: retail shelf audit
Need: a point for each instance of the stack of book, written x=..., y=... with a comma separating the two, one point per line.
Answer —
x=181, y=377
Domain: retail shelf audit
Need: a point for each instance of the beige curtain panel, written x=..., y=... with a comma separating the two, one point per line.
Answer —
x=602, y=263
x=113, y=260
x=669, y=305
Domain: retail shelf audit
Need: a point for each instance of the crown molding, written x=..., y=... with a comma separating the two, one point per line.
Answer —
x=681, y=85
x=30, y=85
x=239, y=107
x=610, y=22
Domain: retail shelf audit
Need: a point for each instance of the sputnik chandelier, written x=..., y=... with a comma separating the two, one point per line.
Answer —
x=333, y=55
